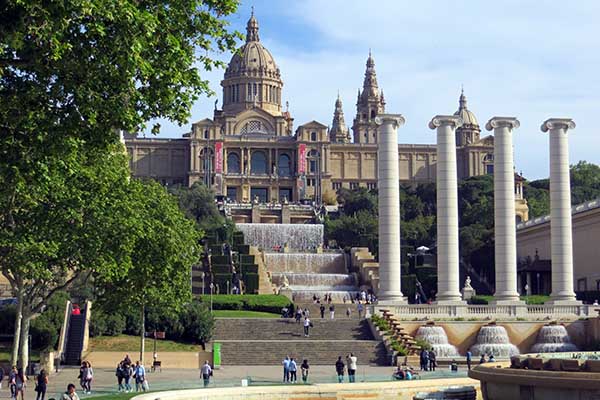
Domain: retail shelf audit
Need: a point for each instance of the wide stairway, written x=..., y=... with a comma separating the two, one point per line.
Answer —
x=268, y=341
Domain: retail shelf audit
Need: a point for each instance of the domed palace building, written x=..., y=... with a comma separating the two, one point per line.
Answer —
x=250, y=153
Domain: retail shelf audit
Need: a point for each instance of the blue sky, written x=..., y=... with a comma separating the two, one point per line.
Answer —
x=529, y=59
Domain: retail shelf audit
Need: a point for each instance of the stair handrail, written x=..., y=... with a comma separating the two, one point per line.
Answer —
x=64, y=333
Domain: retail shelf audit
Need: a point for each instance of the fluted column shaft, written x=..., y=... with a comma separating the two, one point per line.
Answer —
x=447, y=208
x=560, y=210
x=505, y=242
x=389, y=208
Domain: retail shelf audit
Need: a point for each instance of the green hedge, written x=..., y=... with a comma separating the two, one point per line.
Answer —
x=216, y=250
x=251, y=281
x=238, y=238
x=221, y=280
x=249, y=269
x=246, y=259
x=220, y=259
x=242, y=248
x=249, y=302
x=221, y=269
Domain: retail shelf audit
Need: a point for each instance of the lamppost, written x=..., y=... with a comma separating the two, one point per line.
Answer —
x=212, y=286
x=202, y=279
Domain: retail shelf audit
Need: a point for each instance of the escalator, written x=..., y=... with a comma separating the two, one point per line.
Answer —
x=74, y=338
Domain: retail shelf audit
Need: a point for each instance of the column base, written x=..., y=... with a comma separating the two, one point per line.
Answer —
x=392, y=301
x=450, y=302
x=507, y=302
x=561, y=301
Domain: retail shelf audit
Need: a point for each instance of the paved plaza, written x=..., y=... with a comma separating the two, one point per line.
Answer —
x=105, y=381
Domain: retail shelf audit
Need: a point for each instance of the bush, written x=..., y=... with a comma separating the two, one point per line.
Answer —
x=44, y=334
x=103, y=324
x=423, y=344
x=478, y=300
x=198, y=323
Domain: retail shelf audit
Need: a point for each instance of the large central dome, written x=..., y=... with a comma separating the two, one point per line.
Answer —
x=252, y=78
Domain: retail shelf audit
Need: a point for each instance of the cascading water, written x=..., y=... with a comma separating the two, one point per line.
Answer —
x=294, y=236
x=553, y=338
x=305, y=286
x=437, y=338
x=493, y=339
x=315, y=263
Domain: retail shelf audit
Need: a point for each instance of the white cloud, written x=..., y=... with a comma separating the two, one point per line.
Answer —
x=529, y=59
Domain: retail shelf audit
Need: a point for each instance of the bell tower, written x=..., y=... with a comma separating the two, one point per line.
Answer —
x=369, y=103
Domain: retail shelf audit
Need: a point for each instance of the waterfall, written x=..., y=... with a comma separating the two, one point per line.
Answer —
x=493, y=339
x=305, y=262
x=294, y=236
x=437, y=338
x=552, y=339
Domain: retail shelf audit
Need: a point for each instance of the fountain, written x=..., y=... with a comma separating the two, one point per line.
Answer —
x=333, y=263
x=553, y=338
x=306, y=285
x=437, y=338
x=493, y=339
x=293, y=236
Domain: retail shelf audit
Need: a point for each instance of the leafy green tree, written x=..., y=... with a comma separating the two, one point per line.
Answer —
x=198, y=204
x=163, y=252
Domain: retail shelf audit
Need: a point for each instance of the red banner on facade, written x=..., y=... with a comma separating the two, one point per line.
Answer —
x=218, y=157
x=301, y=158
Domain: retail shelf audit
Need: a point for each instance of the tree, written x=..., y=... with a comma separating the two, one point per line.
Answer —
x=163, y=252
x=198, y=204
x=74, y=223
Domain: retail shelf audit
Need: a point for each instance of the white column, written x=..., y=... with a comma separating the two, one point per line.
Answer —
x=560, y=211
x=389, y=209
x=505, y=241
x=447, y=209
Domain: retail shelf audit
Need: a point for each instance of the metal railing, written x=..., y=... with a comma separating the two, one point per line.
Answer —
x=472, y=311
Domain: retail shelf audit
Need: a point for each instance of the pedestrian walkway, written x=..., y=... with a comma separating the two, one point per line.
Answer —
x=105, y=380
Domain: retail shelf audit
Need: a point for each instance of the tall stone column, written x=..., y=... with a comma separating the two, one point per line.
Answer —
x=505, y=233
x=447, y=209
x=560, y=211
x=389, y=209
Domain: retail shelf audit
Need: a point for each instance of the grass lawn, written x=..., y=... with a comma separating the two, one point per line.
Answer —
x=243, y=314
x=127, y=343
x=533, y=299
x=5, y=354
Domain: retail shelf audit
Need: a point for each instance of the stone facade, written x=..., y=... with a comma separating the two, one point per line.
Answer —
x=249, y=149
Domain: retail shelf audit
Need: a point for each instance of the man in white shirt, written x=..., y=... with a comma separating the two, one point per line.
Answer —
x=351, y=362
x=206, y=372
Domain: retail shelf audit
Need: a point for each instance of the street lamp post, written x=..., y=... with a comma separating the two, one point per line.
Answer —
x=212, y=286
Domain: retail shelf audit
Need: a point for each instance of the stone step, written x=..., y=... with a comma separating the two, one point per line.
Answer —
x=317, y=352
x=282, y=329
x=340, y=310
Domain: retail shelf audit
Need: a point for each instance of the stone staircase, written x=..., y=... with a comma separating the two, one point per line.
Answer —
x=267, y=341
x=340, y=310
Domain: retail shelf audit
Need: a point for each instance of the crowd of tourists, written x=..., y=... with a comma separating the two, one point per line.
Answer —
x=17, y=384
x=291, y=367
x=126, y=371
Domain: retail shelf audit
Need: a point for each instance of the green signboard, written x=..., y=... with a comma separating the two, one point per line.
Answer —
x=216, y=355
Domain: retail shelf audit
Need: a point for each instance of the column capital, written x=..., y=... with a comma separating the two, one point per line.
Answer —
x=502, y=122
x=397, y=119
x=557, y=123
x=440, y=120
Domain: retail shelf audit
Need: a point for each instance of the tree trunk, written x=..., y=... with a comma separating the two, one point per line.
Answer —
x=25, y=342
x=17, y=337
x=142, y=336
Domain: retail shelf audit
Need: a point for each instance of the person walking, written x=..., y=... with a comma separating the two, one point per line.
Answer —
x=432, y=360
x=306, y=312
x=89, y=377
x=139, y=374
x=304, y=367
x=332, y=311
x=348, y=313
x=359, y=310
x=70, y=394
x=351, y=362
x=293, y=370
x=424, y=358
x=307, y=325
x=20, y=381
x=127, y=372
x=286, y=369
x=119, y=375
x=1, y=376
x=322, y=310
x=12, y=382
x=41, y=385
x=298, y=314
x=469, y=357
x=339, y=369
x=206, y=372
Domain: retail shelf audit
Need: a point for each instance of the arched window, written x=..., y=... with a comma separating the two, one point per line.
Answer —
x=373, y=114
x=258, y=163
x=285, y=165
x=313, y=161
x=233, y=163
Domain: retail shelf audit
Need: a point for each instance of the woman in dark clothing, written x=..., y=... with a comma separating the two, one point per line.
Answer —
x=41, y=385
x=339, y=369
x=304, y=367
